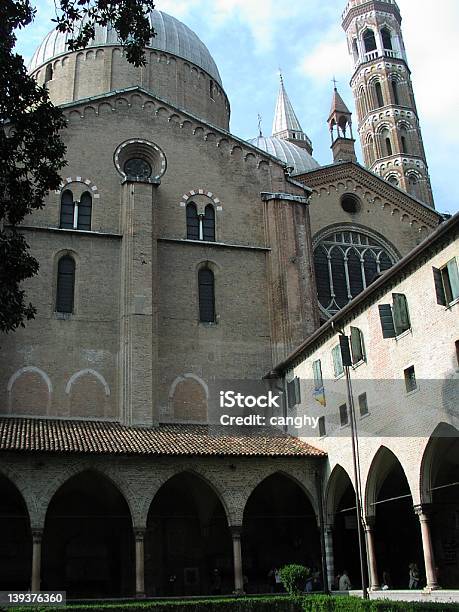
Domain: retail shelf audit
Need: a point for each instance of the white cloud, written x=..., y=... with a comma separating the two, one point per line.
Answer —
x=329, y=57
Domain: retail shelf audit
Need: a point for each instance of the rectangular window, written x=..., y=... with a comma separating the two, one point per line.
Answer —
x=337, y=361
x=357, y=347
x=322, y=428
x=387, y=321
x=363, y=404
x=317, y=372
x=410, y=379
x=343, y=415
x=447, y=282
x=294, y=393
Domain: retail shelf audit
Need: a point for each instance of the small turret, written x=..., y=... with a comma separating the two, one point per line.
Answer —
x=340, y=124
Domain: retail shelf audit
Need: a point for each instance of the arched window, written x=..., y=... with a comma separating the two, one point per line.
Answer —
x=404, y=140
x=388, y=146
x=395, y=92
x=379, y=94
x=206, y=283
x=48, y=73
x=346, y=262
x=192, y=221
x=198, y=226
x=393, y=180
x=355, y=50
x=413, y=186
x=65, y=284
x=208, y=223
x=84, y=212
x=211, y=89
x=386, y=39
x=369, y=41
x=67, y=210
x=370, y=148
x=76, y=214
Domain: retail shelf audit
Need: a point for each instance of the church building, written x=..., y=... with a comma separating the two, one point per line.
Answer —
x=175, y=255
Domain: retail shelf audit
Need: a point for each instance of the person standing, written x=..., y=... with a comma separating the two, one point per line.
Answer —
x=414, y=576
x=344, y=582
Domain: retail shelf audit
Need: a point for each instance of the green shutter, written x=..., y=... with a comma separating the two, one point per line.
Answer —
x=337, y=362
x=317, y=372
x=439, y=289
x=297, y=391
x=358, y=353
x=401, y=314
x=453, y=274
x=387, y=321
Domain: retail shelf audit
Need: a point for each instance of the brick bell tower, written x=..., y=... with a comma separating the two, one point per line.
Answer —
x=388, y=122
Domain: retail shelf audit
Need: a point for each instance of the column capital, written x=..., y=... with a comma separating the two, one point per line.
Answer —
x=423, y=509
x=369, y=522
x=139, y=533
x=236, y=530
x=37, y=535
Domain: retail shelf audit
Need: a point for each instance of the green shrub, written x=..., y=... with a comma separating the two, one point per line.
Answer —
x=279, y=603
x=293, y=578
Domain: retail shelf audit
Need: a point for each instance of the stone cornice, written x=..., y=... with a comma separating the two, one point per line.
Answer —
x=392, y=195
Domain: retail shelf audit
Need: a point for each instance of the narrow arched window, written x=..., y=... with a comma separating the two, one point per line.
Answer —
x=404, y=140
x=211, y=89
x=386, y=39
x=395, y=92
x=369, y=41
x=206, y=284
x=388, y=146
x=65, y=284
x=67, y=210
x=413, y=186
x=379, y=94
x=48, y=73
x=84, y=212
x=208, y=224
x=192, y=222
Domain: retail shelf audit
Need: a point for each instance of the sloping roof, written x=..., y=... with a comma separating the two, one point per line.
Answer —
x=338, y=105
x=171, y=36
x=110, y=438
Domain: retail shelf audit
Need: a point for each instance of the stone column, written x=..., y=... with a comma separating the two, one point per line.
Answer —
x=237, y=559
x=139, y=562
x=37, y=535
x=328, y=537
x=423, y=513
x=371, y=553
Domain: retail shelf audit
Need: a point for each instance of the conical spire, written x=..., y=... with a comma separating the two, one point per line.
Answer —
x=338, y=106
x=286, y=125
x=284, y=116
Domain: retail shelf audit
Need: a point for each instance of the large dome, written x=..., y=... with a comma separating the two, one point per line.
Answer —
x=296, y=157
x=172, y=36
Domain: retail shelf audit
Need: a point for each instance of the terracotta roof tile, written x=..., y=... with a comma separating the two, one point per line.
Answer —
x=104, y=437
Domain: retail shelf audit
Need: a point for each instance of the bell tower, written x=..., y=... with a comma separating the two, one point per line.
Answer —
x=388, y=122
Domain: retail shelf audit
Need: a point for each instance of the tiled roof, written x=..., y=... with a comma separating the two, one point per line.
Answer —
x=103, y=437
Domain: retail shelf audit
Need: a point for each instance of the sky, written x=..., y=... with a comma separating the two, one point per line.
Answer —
x=251, y=40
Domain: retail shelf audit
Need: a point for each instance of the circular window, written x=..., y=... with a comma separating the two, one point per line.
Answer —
x=140, y=160
x=350, y=203
x=137, y=168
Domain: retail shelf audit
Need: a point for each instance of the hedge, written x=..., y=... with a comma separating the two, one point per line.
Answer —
x=309, y=603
